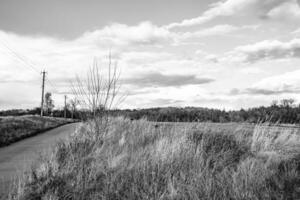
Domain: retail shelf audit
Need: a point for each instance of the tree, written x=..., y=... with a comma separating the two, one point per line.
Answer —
x=49, y=103
x=287, y=102
x=97, y=93
x=73, y=104
x=274, y=103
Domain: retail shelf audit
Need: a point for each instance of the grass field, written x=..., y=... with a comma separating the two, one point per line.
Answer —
x=13, y=129
x=146, y=160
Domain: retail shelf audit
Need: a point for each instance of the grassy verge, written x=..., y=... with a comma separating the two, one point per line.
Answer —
x=141, y=160
x=13, y=129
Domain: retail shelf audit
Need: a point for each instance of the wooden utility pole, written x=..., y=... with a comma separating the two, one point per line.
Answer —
x=43, y=90
x=65, y=112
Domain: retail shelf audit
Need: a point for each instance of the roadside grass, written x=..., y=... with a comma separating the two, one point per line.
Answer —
x=13, y=129
x=142, y=160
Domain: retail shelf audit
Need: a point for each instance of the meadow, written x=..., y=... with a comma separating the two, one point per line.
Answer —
x=125, y=159
x=16, y=128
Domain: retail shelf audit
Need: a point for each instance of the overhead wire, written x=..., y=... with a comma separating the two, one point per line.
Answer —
x=27, y=62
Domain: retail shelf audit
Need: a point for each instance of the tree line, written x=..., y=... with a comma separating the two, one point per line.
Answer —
x=284, y=111
x=48, y=108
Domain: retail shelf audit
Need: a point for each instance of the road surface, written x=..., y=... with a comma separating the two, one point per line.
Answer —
x=17, y=157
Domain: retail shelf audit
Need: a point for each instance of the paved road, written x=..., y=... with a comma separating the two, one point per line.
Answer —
x=18, y=156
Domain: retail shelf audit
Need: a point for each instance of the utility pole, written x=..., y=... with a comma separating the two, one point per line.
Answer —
x=43, y=90
x=65, y=113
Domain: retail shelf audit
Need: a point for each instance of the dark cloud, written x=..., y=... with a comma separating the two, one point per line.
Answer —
x=166, y=101
x=234, y=91
x=161, y=80
x=260, y=91
x=266, y=91
x=269, y=50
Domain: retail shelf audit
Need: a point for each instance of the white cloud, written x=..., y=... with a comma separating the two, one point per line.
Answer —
x=252, y=70
x=182, y=38
x=143, y=34
x=53, y=53
x=212, y=31
x=285, y=83
x=265, y=50
x=279, y=86
x=257, y=8
x=287, y=10
x=134, y=47
x=137, y=53
x=226, y=8
x=207, y=56
x=140, y=58
x=297, y=31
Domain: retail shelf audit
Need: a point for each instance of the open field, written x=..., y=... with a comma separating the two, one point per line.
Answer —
x=145, y=160
x=13, y=129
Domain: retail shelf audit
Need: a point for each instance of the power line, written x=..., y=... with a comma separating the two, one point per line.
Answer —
x=52, y=85
x=20, y=57
x=27, y=62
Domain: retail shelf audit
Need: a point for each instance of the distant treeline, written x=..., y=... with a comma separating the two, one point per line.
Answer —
x=284, y=111
x=37, y=111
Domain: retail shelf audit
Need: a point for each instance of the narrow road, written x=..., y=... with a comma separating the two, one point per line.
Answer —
x=17, y=157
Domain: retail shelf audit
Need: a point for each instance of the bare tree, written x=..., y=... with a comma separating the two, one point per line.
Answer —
x=73, y=105
x=49, y=103
x=98, y=91
x=287, y=102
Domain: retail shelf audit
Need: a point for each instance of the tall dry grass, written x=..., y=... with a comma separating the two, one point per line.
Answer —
x=142, y=160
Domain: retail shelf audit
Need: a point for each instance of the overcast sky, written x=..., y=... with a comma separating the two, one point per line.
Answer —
x=216, y=53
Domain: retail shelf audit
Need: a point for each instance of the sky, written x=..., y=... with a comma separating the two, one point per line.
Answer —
x=226, y=54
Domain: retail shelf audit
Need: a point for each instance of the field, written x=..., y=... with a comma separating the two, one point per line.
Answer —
x=145, y=160
x=13, y=129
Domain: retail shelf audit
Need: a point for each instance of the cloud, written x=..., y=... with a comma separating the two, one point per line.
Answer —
x=252, y=70
x=147, y=34
x=137, y=55
x=63, y=59
x=143, y=34
x=133, y=46
x=156, y=79
x=207, y=56
x=257, y=91
x=286, y=11
x=182, y=38
x=58, y=55
x=271, y=92
x=297, y=31
x=166, y=102
x=211, y=31
x=143, y=57
x=266, y=50
x=287, y=83
x=266, y=9
x=226, y=8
